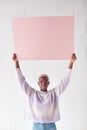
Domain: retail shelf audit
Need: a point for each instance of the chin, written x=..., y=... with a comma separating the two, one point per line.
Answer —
x=44, y=89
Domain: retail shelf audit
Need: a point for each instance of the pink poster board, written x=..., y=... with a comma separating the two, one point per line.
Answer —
x=43, y=38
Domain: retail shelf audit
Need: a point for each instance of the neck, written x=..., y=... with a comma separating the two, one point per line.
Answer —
x=44, y=90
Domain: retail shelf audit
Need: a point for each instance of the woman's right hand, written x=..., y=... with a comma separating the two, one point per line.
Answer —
x=16, y=60
x=15, y=57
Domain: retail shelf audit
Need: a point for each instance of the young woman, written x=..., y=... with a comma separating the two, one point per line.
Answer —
x=44, y=104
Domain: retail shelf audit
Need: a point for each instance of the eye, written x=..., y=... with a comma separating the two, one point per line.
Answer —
x=41, y=81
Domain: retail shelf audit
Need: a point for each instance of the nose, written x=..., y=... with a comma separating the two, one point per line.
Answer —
x=44, y=83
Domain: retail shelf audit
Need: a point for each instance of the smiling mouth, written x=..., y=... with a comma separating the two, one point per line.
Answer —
x=43, y=87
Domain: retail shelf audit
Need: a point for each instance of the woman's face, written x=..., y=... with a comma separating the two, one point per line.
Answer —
x=43, y=83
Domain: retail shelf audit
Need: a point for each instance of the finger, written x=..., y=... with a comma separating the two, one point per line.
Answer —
x=74, y=55
x=15, y=56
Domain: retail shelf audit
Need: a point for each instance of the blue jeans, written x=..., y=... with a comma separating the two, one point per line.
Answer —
x=44, y=126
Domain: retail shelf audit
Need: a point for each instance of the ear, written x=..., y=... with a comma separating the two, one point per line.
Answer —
x=48, y=82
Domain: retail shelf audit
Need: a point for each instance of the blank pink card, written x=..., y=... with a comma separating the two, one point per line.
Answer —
x=44, y=38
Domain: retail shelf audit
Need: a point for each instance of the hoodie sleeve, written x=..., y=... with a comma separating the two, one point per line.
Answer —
x=25, y=86
x=63, y=83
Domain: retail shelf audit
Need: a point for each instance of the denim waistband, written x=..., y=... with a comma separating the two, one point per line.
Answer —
x=44, y=126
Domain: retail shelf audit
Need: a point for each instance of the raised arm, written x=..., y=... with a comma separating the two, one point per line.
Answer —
x=66, y=78
x=72, y=60
x=21, y=78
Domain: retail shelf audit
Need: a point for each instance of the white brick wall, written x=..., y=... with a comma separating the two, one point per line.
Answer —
x=73, y=3
x=80, y=14
x=49, y=12
x=49, y=4
x=13, y=103
x=18, y=4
